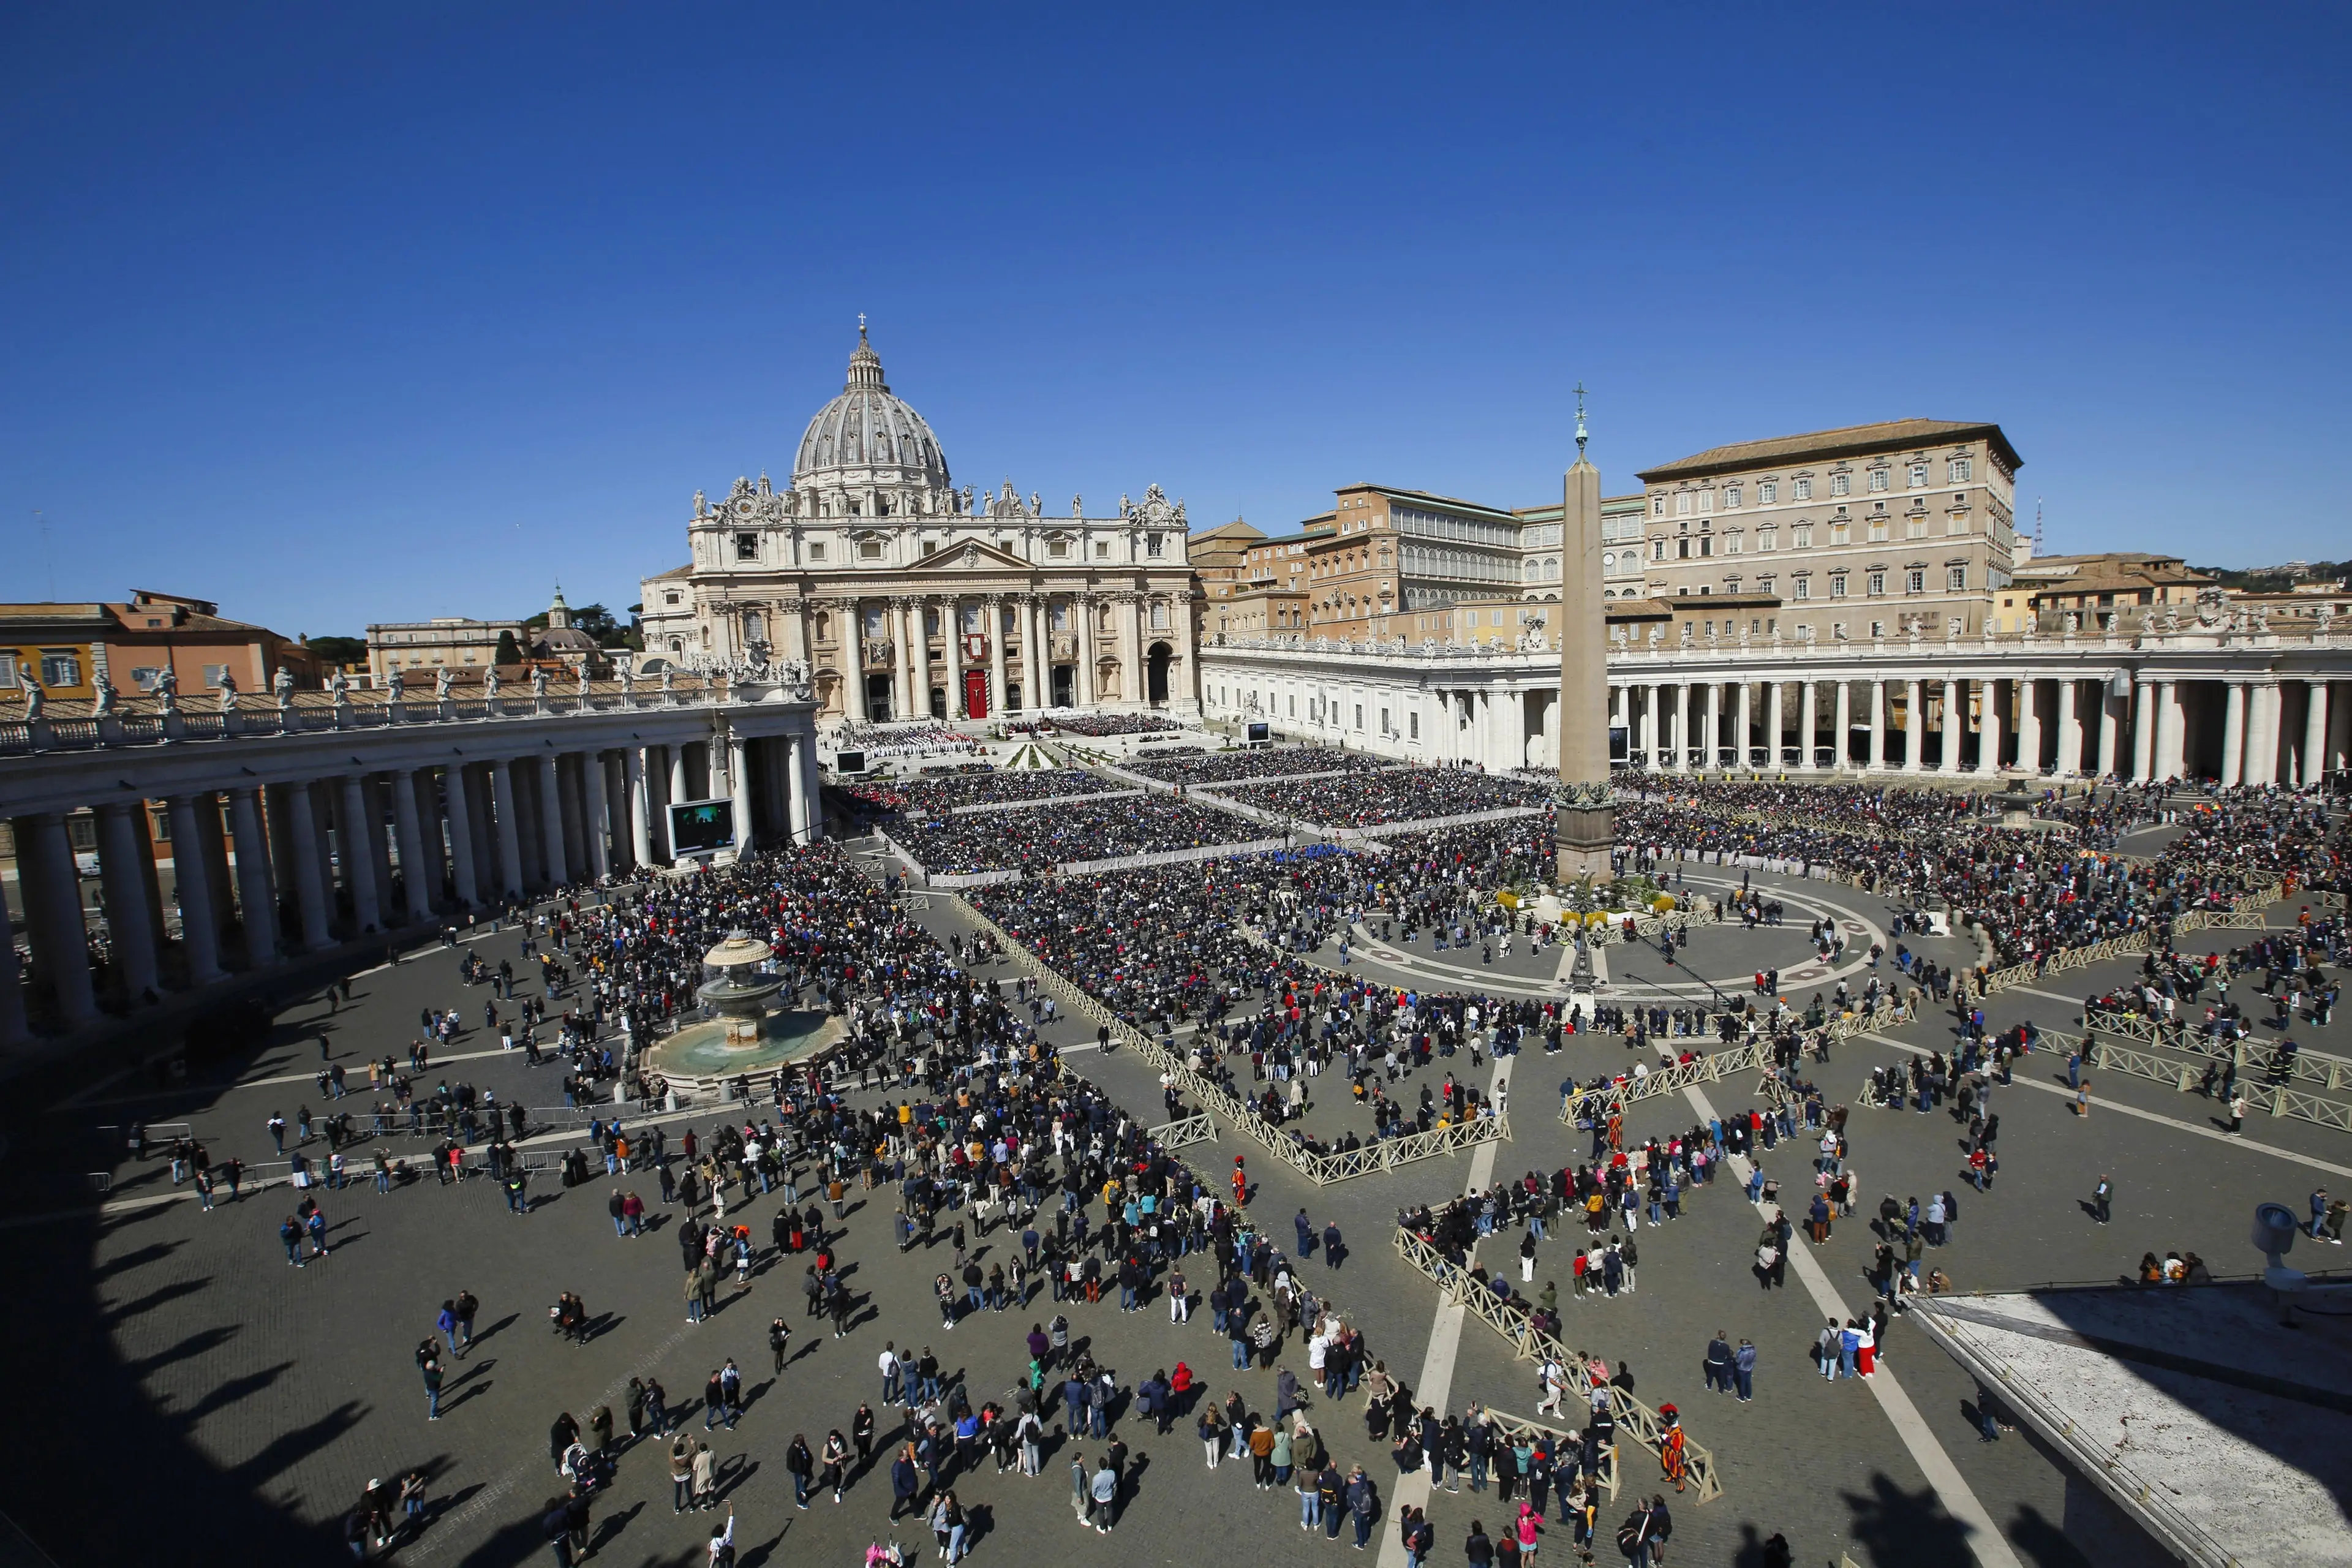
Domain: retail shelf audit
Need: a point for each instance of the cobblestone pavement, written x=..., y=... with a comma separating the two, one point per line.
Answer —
x=175, y=1350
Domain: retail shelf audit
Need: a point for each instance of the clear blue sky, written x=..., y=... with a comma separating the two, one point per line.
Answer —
x=340, y=313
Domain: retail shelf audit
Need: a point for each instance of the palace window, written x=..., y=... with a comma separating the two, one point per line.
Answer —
x=1958, y=470
x=61, y=669
x=1682, y=503
x=1805, y=587
x=1878, y=478
x=1956, y=579
x=1918, y=476
x=1840, y=533
x=1803, y=489
x=1837, y=584
x=1801, y=536
x=1731, y=497
x=1875, y=583
x=1914, y=581
x=1768, y=491
x=1768, y=540
x=1840, y=484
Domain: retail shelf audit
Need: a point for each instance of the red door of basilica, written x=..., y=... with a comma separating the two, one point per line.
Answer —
x=975, y=694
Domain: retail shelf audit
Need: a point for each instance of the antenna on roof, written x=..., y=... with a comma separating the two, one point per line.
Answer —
x=2037, y=526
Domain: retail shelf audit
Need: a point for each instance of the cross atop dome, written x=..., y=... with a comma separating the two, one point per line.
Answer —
x=865, y=364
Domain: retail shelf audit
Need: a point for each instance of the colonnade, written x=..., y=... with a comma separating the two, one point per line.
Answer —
x=284, y=846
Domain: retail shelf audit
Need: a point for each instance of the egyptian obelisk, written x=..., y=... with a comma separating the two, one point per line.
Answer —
x=1585, y=817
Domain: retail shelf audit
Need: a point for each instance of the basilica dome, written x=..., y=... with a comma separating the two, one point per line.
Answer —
x=868, y=440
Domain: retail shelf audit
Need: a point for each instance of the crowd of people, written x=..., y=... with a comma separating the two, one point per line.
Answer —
x=1194, y=766
x=1035, y=840
x=1369, y=797
x=971, y=784
x=891, y=741
x=1095, y=725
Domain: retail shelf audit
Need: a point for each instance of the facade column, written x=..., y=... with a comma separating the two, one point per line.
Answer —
x=1747, y=723
x=2029, y=726
x=952, y=642
x=852, y=666
x=994, y=612
x=1914, y=727
x=2314, y=762
x=641, y=837
x=123, y=879
x=190, y=879
x=1949, y=762
x=1085, y=610
x=463, y=874
x=1774, y=716
x=509, y=825
x=2070, y=728
x=51, y=889
x=420, y=871
x=919, y=636
x=2233, y=734
x=258, y=900
x=313, y=898
x=2144, y=733
x=550, y=820
x=355, y=848
x=596, y=812
x=739, y=790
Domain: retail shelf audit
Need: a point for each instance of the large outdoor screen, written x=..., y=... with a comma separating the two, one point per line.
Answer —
x=699, y=826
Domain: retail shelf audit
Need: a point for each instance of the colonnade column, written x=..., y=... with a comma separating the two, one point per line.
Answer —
x=506, y=827
x=1914, y=727
x=1772, y=723
x=1989, y=735
x=463, y=875
x=1681, y=743
x=2144, y=733
x=2262, y=732
x=2109, y=730
x=1809, y=719
x=739, y=790
x=1747, y=721
x=190, y=879
x=1877, y=727
x=1653, y=723
x=123, y=878
x=420, y=874
x=1949, y=762
x=1713, y=742
x=257, y=899
x=2314, y=762
x=2233, y=734
x=551, y=822
x=597, y=811
x=51, y=890
x=356, y=851
x=995, y=614
x=310, y=893
x=641, y=836
x=2029, y=725
x=2167, y=729
x=796, y=795
x=2070, y=728
x=14, y=1027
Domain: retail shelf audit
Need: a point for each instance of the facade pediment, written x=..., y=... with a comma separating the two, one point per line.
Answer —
x=968, y=555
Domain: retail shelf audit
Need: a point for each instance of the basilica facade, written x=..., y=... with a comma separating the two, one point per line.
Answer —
x=909, y=598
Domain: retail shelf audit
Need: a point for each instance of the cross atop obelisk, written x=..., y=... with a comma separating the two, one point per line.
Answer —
x=1585, y=816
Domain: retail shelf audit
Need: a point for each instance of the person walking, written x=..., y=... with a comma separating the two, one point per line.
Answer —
x=1743, y=1370
x=432, y=1370
x=2102, y=1199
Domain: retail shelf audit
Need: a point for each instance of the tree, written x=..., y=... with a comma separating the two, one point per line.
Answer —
x=510, y=651
x=333, y=651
